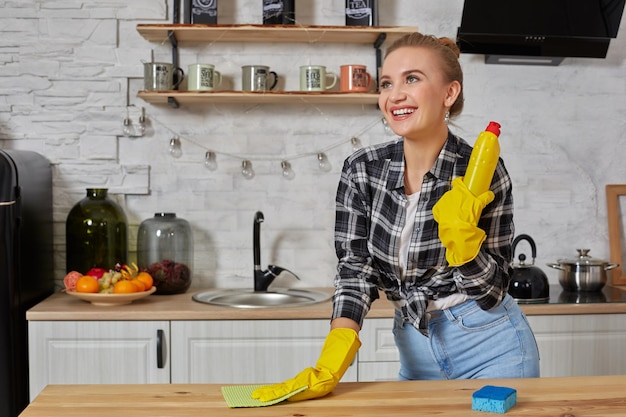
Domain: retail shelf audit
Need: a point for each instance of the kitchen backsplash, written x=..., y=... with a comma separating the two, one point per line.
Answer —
x=69, y=76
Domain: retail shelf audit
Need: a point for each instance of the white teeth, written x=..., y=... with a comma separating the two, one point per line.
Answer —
x=403, y=111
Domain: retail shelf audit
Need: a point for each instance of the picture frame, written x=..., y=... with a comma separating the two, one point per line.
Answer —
x=616, y=231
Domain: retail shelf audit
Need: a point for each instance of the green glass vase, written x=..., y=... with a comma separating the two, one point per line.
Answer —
x=96, y=233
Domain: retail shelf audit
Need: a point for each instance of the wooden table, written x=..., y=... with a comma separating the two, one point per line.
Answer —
x=600, y=396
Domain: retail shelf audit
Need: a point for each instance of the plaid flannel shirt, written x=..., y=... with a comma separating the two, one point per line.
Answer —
x=370, y=215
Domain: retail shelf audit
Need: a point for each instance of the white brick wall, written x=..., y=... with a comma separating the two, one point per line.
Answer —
x=68, y=70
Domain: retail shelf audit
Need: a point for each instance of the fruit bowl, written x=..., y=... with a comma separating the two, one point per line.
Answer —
x=101, y=299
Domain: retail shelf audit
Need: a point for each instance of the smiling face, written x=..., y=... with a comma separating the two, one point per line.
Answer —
x=414, y=94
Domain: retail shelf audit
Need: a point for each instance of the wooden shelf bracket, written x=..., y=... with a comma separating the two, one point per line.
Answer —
x=379, y=58
x=174, y=42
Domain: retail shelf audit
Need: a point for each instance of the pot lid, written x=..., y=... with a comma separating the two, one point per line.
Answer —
x=583, y=259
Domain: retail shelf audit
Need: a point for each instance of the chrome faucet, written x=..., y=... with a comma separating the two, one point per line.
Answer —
x=263, y=279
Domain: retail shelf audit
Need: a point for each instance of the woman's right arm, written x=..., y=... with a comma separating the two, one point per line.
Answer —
x=354, y=282
x=345, y=323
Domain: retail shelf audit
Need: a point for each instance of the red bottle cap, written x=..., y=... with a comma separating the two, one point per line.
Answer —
x=494, y=127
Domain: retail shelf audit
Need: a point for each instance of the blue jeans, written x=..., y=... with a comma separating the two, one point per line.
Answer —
x=468, y=342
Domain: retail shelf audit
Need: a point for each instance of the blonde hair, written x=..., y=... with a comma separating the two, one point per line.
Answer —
x=448, y=52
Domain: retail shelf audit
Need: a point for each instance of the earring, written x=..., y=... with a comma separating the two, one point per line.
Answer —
x=446, y=118
x=388, y=130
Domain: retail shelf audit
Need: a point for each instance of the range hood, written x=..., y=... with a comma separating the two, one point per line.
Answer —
x=538, y=32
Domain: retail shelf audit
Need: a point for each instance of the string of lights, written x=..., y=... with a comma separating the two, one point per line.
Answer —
x=175, y=148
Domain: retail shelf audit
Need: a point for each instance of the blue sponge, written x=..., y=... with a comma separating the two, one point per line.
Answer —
x=494, y=399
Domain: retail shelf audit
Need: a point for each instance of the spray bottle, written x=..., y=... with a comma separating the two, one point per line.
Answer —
x=483, y=160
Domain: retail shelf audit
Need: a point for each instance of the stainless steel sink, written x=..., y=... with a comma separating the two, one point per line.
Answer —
x=245, y=298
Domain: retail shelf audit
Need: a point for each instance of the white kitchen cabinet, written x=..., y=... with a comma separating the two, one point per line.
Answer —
x=97, y=352
x=378, y=356
x=581, y=345
x=202, y=351
x=269, y=351
x=246, y=351
x=569, y=345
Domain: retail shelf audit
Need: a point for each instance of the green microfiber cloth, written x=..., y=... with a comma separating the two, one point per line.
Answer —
x=240, y=396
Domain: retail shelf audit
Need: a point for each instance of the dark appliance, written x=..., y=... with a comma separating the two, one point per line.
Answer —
x=538, y=31
x=361, y=12
x=26, y=269
x=200, y=11
x=279, y=12
x=528, y=283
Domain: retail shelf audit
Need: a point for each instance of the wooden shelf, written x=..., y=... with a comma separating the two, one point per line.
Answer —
x=175, y=33
x=272, y=33
x=245, y=97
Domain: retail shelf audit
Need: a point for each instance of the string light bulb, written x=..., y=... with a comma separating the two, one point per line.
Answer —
x=141, y=126
x=323, y=162
x=128, y=129
x=246, y=169
x=144, y=123
x=388, y=130
x=134, y=130
x=175, y=149
x=210, y=161
x=288, y=173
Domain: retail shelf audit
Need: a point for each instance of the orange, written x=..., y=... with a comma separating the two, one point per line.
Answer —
x=146, y=278
x=138, y=284
x=87, y=283
x=124, y=287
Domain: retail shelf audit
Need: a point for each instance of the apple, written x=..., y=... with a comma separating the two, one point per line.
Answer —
x=96, y=272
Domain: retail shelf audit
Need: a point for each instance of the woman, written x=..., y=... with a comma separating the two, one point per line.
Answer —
x=403, y=227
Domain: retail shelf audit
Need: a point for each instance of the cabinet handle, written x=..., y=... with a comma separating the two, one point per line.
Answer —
x=159, y=348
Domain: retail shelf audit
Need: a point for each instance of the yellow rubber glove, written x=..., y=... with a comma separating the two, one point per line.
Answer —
x=337, y=354
x=457, y=213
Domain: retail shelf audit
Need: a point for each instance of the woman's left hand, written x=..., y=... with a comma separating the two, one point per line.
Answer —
x=457, y=213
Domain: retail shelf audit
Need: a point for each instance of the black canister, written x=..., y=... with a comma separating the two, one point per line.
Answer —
x=165, y=251
x=279, y=12
x=96, y=233
x=361, y=12
x=200, y=11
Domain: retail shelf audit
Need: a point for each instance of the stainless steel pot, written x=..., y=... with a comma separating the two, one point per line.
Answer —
x=583, y=273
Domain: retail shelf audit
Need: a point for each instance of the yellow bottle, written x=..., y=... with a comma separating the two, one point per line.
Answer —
x=483, y=160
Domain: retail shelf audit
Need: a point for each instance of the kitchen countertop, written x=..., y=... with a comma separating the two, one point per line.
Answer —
x=572, y=396
x=61, y=306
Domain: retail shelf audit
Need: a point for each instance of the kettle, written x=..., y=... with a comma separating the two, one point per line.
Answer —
x=528, y=284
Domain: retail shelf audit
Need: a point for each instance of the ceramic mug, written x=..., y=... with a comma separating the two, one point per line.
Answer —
x=355, y=78
x=161, y=76
x=315, y=77
x=203, y=77
x=258, y=78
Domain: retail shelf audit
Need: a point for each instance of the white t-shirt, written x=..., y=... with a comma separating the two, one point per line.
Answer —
x=407, y=231
x=405, y=243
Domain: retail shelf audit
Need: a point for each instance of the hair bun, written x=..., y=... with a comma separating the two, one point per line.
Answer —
x=449, y=43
